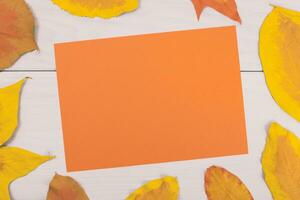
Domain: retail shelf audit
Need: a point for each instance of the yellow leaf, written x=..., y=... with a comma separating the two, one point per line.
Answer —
x=279, y=48
x=16, y=31
x=15, y=163
x=98, y=8
x=221, y=184
x=9, y=110
x=65, y=188
x=160, y=189
x=281, y=163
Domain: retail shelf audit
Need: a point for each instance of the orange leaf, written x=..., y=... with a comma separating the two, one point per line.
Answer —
x=226, y=7
x=222, y=184
x=16, y=31
x=65, y=188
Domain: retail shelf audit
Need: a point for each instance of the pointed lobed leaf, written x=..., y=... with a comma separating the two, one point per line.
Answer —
x=279, y=47
x=16, y=31
x=166, y=188
x=226, y=7
x=9, y=110
x=15, y=163
x=97, y=8
x=221, y=184
x=65, y=188
x=281, y=163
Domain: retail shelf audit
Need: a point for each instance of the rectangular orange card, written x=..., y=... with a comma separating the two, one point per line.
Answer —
x=151, y=98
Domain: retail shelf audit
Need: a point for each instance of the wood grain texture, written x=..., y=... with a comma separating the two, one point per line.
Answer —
x=55, y=25
x=40, y=131
x=40, y=124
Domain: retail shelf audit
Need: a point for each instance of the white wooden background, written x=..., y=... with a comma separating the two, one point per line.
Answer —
x=40, y=124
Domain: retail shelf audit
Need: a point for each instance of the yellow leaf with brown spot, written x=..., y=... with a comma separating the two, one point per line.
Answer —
x=65, y=188
x=226, y=7
x=15, y=163
x=221, y=184
x=279, y=47
x=9, y=110
x=166, y=188
x=98, y=8
x=16, y=31
x=281, y=163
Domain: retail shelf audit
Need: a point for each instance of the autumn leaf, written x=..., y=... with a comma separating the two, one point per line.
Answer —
x=97, y=8
x=281, y=163
x=16, y=31
x=160, y=189
x=279, y=47
x=15, y=163
x=221, y=184
x=65, y=188
x=9, y=110
x=226, y=7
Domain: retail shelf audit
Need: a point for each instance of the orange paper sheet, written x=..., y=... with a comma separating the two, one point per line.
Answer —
x=151, y=98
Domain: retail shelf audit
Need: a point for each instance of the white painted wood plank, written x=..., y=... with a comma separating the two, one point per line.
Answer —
x=55, y=25
x=40, y=131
